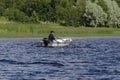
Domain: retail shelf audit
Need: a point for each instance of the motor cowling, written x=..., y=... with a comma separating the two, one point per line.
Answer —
x=45, y=41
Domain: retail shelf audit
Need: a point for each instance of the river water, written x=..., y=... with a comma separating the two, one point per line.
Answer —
x=86, y=58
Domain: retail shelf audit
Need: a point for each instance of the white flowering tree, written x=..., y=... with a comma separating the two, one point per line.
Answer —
x=113, y=13
x=94, y=15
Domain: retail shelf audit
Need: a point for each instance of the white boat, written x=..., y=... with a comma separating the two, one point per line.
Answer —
x=59, y=42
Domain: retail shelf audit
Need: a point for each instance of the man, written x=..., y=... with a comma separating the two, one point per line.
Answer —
x=51, y=37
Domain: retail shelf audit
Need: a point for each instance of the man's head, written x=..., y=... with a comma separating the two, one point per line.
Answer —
x=52, y=32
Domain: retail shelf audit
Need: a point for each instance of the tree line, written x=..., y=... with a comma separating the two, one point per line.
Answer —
x=91, y=13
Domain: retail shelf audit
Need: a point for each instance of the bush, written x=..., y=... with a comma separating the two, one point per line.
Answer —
x=94, y=15
x=118, y=2
x=113, y=13
x=1, y=11
x=34, y=17
x=16, y=15
x=103, y=5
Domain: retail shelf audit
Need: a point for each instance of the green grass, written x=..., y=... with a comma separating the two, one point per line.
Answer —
x=42, y=30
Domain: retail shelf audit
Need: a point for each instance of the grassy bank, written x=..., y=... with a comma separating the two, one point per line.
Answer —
x=42, y=30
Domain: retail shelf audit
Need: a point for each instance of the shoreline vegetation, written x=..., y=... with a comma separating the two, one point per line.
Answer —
x=68, y=18
x=96, y=13
x=14, y=30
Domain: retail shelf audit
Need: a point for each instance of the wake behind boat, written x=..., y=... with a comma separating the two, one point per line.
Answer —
x=59, y=42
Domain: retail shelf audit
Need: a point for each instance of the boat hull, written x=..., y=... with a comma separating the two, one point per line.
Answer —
x=57, y=43
x=54, y=44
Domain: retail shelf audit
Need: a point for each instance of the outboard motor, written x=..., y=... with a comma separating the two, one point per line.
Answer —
x=46, y=41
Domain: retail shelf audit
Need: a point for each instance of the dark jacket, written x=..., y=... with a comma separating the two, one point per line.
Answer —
x=51, y=37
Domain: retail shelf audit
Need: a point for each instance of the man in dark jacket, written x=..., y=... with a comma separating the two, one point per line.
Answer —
x=51, y=36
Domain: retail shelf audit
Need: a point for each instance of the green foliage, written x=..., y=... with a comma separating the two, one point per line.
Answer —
x=64, y=12
x=60, y=13
x=2, y=18
x=94, y=15
x=1, y=11
x=80, y=5
x=118, y=2
x=72, y=17
x=15, y=15
x=103, y=5
x=34, y=17
x=113, y=13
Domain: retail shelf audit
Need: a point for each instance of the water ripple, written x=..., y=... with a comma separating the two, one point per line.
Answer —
x=53, y=63
x=87, y=58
